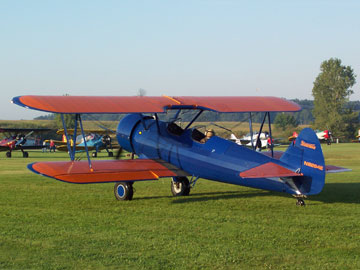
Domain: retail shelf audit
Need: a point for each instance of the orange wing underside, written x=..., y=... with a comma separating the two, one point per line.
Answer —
x=105, y=171
x=133, y=104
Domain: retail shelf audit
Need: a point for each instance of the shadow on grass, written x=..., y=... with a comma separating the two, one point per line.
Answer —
x=332, y=193
x=213, y=196
x=339, y=193
x=209, y=196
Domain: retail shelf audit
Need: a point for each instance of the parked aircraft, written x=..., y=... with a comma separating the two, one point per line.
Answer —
x=167, y=150
x=95, y=139
x=19, y=139
x=322, y=135
x=257, y=142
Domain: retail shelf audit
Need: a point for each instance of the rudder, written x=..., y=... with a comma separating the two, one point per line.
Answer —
x=306, y=157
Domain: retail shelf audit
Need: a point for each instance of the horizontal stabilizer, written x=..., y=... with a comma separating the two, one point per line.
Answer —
x=78, y=172
x=268, y=170
x=335, y=169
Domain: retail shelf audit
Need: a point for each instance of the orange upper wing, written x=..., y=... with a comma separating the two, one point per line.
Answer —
x=137, y=104
x=78, y=172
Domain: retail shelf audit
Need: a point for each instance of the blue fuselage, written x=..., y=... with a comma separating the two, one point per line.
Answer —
x=217, y=159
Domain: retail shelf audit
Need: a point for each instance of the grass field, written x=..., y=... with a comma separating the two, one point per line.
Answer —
x=46, y=224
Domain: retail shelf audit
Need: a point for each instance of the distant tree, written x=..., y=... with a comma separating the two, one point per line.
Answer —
x=285, y=120
x=69, y=120
x=331, y=91
x=45, y=117
x=141, y=92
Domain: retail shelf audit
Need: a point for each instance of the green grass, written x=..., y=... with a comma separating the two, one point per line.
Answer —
x=47, y=224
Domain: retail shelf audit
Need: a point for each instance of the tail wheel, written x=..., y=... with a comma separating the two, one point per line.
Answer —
x=300, y=202
x=180, y=186
x=123, y=191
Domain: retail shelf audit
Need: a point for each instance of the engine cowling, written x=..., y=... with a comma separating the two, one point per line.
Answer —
x=124, y=131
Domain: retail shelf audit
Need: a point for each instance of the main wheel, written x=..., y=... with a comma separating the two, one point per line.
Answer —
x=8, y=154
x=111, y=154
x=123, y=191
x=94, y=154
x=25, y=154
x=180, y=186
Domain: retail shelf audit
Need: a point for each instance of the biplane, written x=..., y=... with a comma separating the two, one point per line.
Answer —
x=254, y=140
x=96, y=140
x=167, y=150
x=19, y=139
x=322, y=135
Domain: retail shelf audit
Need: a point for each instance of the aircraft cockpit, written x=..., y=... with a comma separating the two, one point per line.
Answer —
x=196, y=135
x=174, y=129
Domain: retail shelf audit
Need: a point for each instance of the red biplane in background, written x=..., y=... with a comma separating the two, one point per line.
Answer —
x=323, y=136
x=168, y=150
x=19, y=139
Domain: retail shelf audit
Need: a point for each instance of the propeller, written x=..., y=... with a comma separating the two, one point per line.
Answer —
x=120, y=151
x=118, y=154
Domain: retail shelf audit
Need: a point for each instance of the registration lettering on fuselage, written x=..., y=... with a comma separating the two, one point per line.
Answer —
x=313, y=165
x=308, y=145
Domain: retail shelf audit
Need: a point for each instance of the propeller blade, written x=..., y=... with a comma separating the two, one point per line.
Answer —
x=119, y=153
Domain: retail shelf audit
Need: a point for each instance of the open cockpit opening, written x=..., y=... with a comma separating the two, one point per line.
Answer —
x=175, y=129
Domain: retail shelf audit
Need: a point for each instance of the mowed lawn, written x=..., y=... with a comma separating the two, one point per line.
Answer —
x=47, y=224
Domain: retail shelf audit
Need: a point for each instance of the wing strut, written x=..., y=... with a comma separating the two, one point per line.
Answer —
x=192, y=121
x=251, y=132
x=258, y=141
x=86, y=148
x=271, y=140
x=74, y=135
x=72, y=157
x=157, y=123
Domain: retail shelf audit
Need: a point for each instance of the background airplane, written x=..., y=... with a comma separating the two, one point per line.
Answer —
x=252, y=141
x=96, y=139
x=167, y=150
x=21, y=139
x=322, y=135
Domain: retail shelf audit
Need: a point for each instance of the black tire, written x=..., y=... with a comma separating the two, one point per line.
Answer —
x=180, y=186
x=8, y=154
x=111, y=154
x=25, y=154
x=300, y=202
x=123, y=191
x=94, y=154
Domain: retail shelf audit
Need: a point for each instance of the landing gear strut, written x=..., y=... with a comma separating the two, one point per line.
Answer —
x=124, y=191
x=180, y=186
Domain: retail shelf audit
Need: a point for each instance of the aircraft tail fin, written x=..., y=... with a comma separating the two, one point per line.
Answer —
x=306, y=157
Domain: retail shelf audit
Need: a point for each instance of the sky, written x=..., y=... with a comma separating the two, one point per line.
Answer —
x=175, y=48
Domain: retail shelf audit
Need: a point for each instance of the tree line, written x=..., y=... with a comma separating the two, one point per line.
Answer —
x=330, y=109
x=304, y=117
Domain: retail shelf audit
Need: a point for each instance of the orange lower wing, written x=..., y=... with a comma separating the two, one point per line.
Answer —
x=78, y=172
